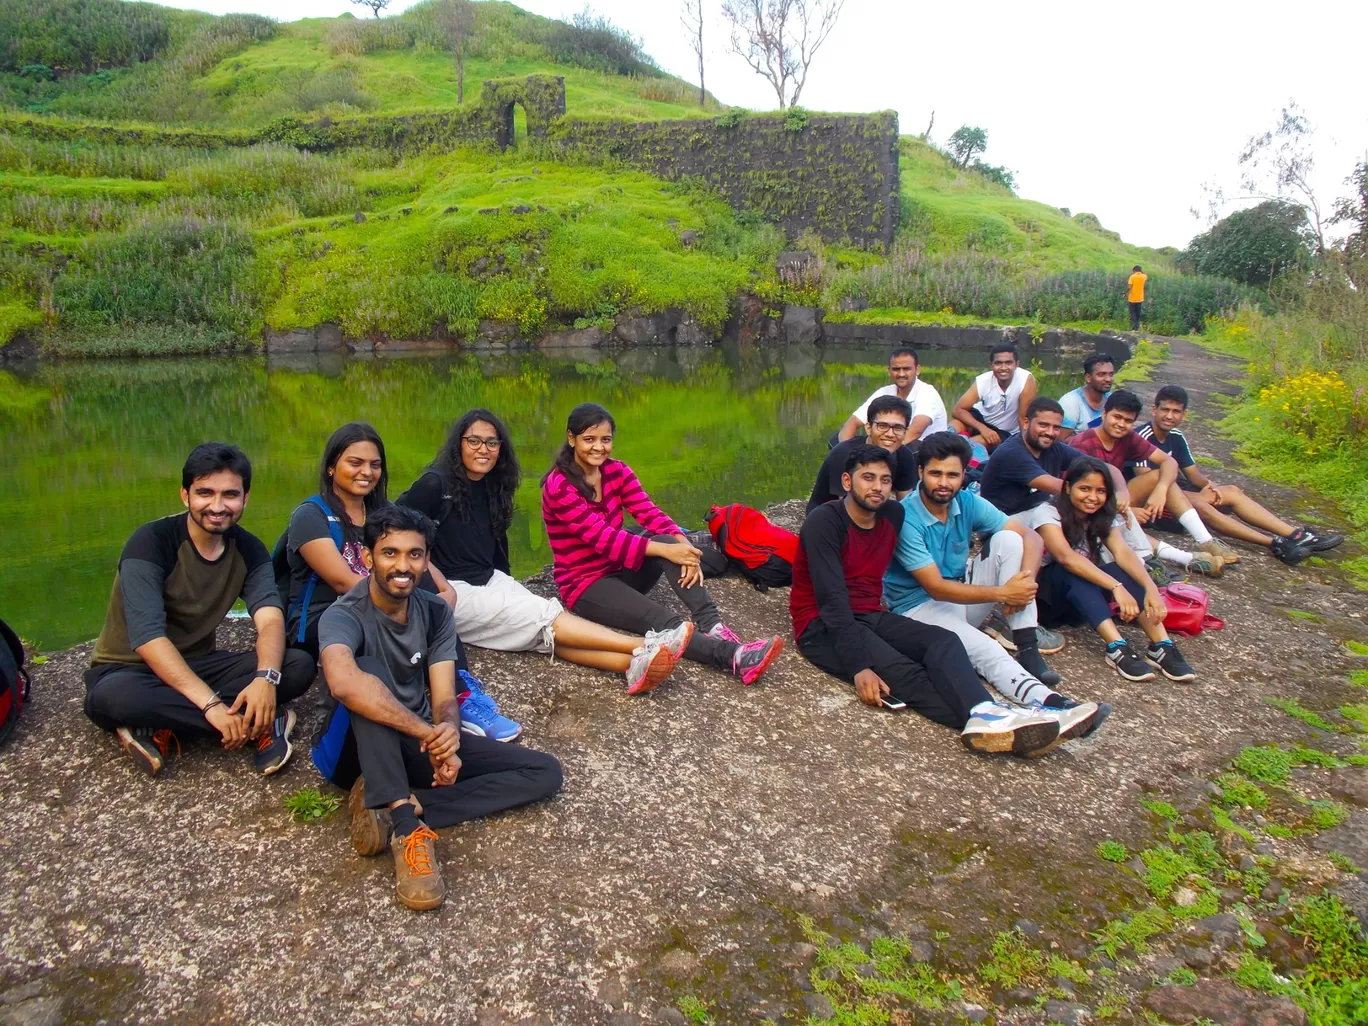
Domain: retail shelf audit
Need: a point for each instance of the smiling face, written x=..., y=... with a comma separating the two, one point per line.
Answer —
x=1043, y=429
x=1089, y=493
x=1168, y=415
x=887, y=430
x=902, y=370
x=593, y=446
x=357, y=471
x=215, y=501
x=1004, y=367
x=480, y=449
x=941, y=480
x=1118, y=423
x=870, y=485
x=397, y=563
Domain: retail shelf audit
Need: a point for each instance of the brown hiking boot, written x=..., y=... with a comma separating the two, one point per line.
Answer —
x=370, y=828
x=418, y=882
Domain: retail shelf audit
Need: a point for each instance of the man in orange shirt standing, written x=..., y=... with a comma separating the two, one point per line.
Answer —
x=1135, y=295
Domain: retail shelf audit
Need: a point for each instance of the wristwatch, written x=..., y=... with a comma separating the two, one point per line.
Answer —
x=272, y=677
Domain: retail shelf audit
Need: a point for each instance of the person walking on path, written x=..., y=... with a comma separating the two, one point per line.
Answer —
x=155, y=673
x=605, y=573
x=468, y=491
x=842, y=628
x=389, y=655
x=1135, y=295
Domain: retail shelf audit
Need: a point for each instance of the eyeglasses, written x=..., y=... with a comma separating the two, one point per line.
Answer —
x=492, y=444
x=883, y=425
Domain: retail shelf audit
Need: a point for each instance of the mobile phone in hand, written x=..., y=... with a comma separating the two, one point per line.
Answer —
x=889, y=702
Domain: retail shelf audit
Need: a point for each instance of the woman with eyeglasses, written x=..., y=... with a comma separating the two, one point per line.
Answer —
x=468, y=490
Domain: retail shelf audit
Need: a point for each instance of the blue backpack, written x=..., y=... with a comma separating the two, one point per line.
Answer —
x=280, y=563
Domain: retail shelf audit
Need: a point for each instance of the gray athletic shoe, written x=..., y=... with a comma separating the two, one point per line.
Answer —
x=994, y=727
x=996, y=628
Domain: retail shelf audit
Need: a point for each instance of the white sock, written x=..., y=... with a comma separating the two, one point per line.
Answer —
x=1167, y=551
x=1192, y=524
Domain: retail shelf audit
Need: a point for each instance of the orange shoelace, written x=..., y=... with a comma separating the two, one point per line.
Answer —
x=264, y=741
x=418, y=856
x=163, y=739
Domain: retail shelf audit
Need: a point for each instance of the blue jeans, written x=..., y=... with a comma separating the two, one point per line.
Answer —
x=1063, y=596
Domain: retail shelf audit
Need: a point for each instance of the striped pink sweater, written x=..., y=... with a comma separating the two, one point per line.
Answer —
x=587, y=539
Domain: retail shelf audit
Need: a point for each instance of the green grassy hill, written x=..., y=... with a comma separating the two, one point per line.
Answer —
x=108, y=248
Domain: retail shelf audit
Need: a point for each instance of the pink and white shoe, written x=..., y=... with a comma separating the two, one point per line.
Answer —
x=753, y=658
x=673, y=641
x=724, y=633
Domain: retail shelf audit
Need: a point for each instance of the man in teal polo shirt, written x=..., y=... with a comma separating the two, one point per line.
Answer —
x=929, y=580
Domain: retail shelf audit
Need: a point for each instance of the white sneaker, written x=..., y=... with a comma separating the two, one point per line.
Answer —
x=994, y=727
x=651, y=664
x=675, y=641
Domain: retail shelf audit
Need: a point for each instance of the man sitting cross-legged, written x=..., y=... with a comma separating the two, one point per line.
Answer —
x=155, y=673
x=887, y=426
x=841, y=626
x=389, y=655
x=930, y=582
x=994, y=406
x=1152, y=492
x=1220, y=506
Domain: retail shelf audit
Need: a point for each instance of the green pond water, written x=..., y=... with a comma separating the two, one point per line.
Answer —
x=94, y=449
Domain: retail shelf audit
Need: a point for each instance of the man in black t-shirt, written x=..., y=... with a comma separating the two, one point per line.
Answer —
x=389, y=657
x=1220, y=506
x=155, y=671
x=887, y=427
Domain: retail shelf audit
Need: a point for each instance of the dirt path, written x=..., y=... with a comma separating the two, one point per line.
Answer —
x=694, y=825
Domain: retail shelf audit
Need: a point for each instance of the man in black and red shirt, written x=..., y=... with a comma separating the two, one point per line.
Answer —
x=841, y=626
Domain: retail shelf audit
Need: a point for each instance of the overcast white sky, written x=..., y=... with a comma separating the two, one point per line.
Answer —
x=1120, y=109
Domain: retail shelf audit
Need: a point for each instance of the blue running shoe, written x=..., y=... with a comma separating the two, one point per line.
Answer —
x=479, y=714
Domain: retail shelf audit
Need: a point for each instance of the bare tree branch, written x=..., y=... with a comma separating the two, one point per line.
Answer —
x=1279, y=164
x=456, y=19
x=780, y=38
x=692, y=19
x=376, y=6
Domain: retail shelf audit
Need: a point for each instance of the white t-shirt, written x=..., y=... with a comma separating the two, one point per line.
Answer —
x=925, y=400
x=999, y=409
x=1048, y=513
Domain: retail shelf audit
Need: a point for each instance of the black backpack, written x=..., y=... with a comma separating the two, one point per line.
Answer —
x=280, y=566
x=14, y=679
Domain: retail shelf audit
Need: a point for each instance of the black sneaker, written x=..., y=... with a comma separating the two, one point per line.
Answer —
x=149, y=747
x=1126, y=662
x=1289, y=551
x=1306, y=538
x=274, y=748
x=1158, y=571
x=1033, y=663
x=1089, y=725
x=1170, y=661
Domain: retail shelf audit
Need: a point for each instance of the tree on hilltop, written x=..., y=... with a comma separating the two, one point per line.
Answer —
x=967, y=143
x=456, y=18
x=376, y=6
x=692, y=20
x=780, y=38
x=1252, y=246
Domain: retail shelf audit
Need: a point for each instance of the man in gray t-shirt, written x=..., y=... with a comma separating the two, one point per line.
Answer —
x=389, y=656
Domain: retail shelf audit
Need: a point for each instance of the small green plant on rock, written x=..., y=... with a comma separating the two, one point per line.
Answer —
x=1342, y=862
x=1269, y=764
x=1070, y=970
x=1238, y=791
x=1183, y=976
x=1160, y=808
x=1112, y=851
x=1302, y=614
x=1133, y=933
x=1359, y=678
x=1357, y=648
x=1357, y=714
x=1012, y=961
x=309, y=804
x=694, y=1009
x=1298, y=711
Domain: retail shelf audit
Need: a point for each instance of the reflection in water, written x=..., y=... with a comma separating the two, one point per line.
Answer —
x=92, y=450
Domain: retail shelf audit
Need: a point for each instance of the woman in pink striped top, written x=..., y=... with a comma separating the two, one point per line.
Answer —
x=605, y=573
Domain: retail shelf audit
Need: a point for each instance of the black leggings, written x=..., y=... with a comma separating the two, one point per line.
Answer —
x=1064, y=596
x=131, y=695
x=620, y=600
x=923, y=665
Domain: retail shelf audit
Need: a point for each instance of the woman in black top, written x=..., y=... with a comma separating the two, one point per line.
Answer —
x=469, y=489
